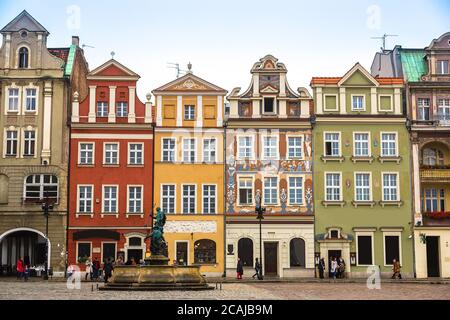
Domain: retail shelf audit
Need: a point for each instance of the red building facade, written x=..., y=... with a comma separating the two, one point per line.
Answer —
x=111, y=160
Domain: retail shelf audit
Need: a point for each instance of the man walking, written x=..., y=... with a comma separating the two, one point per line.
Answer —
x=321, y=267
x=396, y=268
x=257, y=269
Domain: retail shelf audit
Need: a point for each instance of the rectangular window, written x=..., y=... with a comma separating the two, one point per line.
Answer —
x=109, y=251
x=209, y=199
x=442, y=67
x=85, y=199
x=245, y=148
x=388, y=144
x=444, y=109
x=168, y=198
x=390, y=187
x=423, y=109
x=270, y=191
x=361, y=144
x=295, y=147
x=209, y=150
x=135, y=153
x=296, y=190
x=102, y=109
x=168, y=152
x=365, y=250
x=83, y=251
x=431, y=200
x=332, y=144
x=11, y=142
x=269, y=105
x=30, y=105
x=135, y=199
x=333, y=187
x=189, y=112
x=29, y=143
x=392, y=249
x=122, y=109
x=13, y=105
x=358, y=103
x=245, y=191
x=189, y=199
x=362, y=187
x=111, y=153
x=86, y=153
x=110, y=199
x=270, y=147
x=189, y=150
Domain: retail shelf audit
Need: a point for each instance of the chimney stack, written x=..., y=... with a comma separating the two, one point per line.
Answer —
x=76, y=41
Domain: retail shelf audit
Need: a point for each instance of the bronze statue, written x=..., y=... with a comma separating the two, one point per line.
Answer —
x=158, y=245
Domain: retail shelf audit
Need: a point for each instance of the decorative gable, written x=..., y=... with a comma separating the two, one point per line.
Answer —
x=189, y=83
x=24, y=21
x=358, y=76
x=114, y=69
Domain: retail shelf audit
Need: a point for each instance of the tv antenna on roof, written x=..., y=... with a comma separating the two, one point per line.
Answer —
x=87, y=46
x=176, y=66
x=384, y=37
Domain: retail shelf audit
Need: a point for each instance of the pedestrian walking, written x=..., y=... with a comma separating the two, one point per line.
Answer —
x=26, y=273
x=239, y=269
x=341, y=268
x=108, y=269
x=257, y=269
x=333, y=267
x=19, y=268
x=396, y=268
x=321, y=267
x=95, y=269
x=88, y=270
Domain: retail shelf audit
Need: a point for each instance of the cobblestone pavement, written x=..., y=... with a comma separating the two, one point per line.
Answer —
x=285, y=291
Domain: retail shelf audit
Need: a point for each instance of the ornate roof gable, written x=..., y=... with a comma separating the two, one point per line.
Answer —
x=113, y=69
x=24, y=21
x=441, y=43
x=189, y=83
x=358, y=76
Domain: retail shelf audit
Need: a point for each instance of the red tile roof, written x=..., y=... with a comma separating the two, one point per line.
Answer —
x=61, y=53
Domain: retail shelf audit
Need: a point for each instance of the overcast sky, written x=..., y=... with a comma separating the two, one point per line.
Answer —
x=223, y=39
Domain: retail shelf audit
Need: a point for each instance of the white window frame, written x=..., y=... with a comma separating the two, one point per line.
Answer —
x=6, y=140
x=174, y=197
x=99, y=114
x=79, y=153
x=302, y=151
x=29, y=129
x=252, y=177
x=25, y=98
x=215, y=199
x=104, y=153
x=356, y=187
x=174, y=149
x=188, y=106
x=188, y=250
x=205, y=151
x=18, y=97
x=189, y=150
x=142, y=151
x=369, y=147
x=398, y=186
x=379, y=102
x=275, y=104
x=371, y=235
x=440, y=67
x=363, y=107
x=188, y=197
x=104, y=186
x=263, y=187
x=41, y=185
x=325, y=108
x=396, y=143
x=120, y=109
x=141, y=199
x=277, y=147
x=325, y=185
x=423, y=106
x=325, y=143
x=397, y=234
x=252, y=147
x=78, y=199
x=445, y=106
x=288, y=177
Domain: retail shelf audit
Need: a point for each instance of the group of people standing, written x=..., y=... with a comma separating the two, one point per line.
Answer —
x=336, y=268
x=92, y=270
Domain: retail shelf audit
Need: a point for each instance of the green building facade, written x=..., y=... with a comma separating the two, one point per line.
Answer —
x=362, y=176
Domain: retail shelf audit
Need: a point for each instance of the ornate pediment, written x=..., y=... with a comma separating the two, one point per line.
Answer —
x=24, y=21
x=113, y=68
x=269, y=89
x=189, y=83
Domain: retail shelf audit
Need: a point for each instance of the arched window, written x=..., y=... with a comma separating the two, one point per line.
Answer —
x=433, y=157
x=23, y=58
x=245, y=251
x=297, y=252
x=204, y=251
x=135, y=242
x=4, y=188
x=41, y=186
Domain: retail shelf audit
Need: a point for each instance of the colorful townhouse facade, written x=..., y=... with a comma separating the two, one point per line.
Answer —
x=427, y=93
x=269, y=161
x=111, y=169
x=36, y=83
x=189, y=170
x=362, y=176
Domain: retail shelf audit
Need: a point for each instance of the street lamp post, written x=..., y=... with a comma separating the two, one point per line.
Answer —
x=46, y=207
x=260, y=216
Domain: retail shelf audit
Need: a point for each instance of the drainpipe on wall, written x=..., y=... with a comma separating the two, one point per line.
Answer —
x=224, y=156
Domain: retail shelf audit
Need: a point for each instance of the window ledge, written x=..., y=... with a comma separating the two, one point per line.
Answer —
x=390, y=159
x=391, y=203
x=332, y=159
x=133, y=214
x=86, y=165
x=12, y=112
x=111, y=165
x=357, y=204
x=362, y=159
x=135, y=165
x=333, y=203
x=80, y=214
x=109, y=215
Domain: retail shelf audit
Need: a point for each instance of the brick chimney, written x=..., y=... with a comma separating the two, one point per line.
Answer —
x=76, y=41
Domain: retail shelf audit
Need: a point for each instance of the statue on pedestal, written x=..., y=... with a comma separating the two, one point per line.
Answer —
x=158, y=243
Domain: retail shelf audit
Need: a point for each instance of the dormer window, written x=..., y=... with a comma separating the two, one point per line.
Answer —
x=442, y=67
x=269, y=105
x=334, y=234
x=23, y=58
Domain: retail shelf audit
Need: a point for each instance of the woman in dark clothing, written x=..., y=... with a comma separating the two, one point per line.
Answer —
x=108, y=270
x=321, y=267
x=239, y=269
x=95, y=269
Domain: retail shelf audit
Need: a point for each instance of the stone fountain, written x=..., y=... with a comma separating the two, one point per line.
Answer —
x=156, y=274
